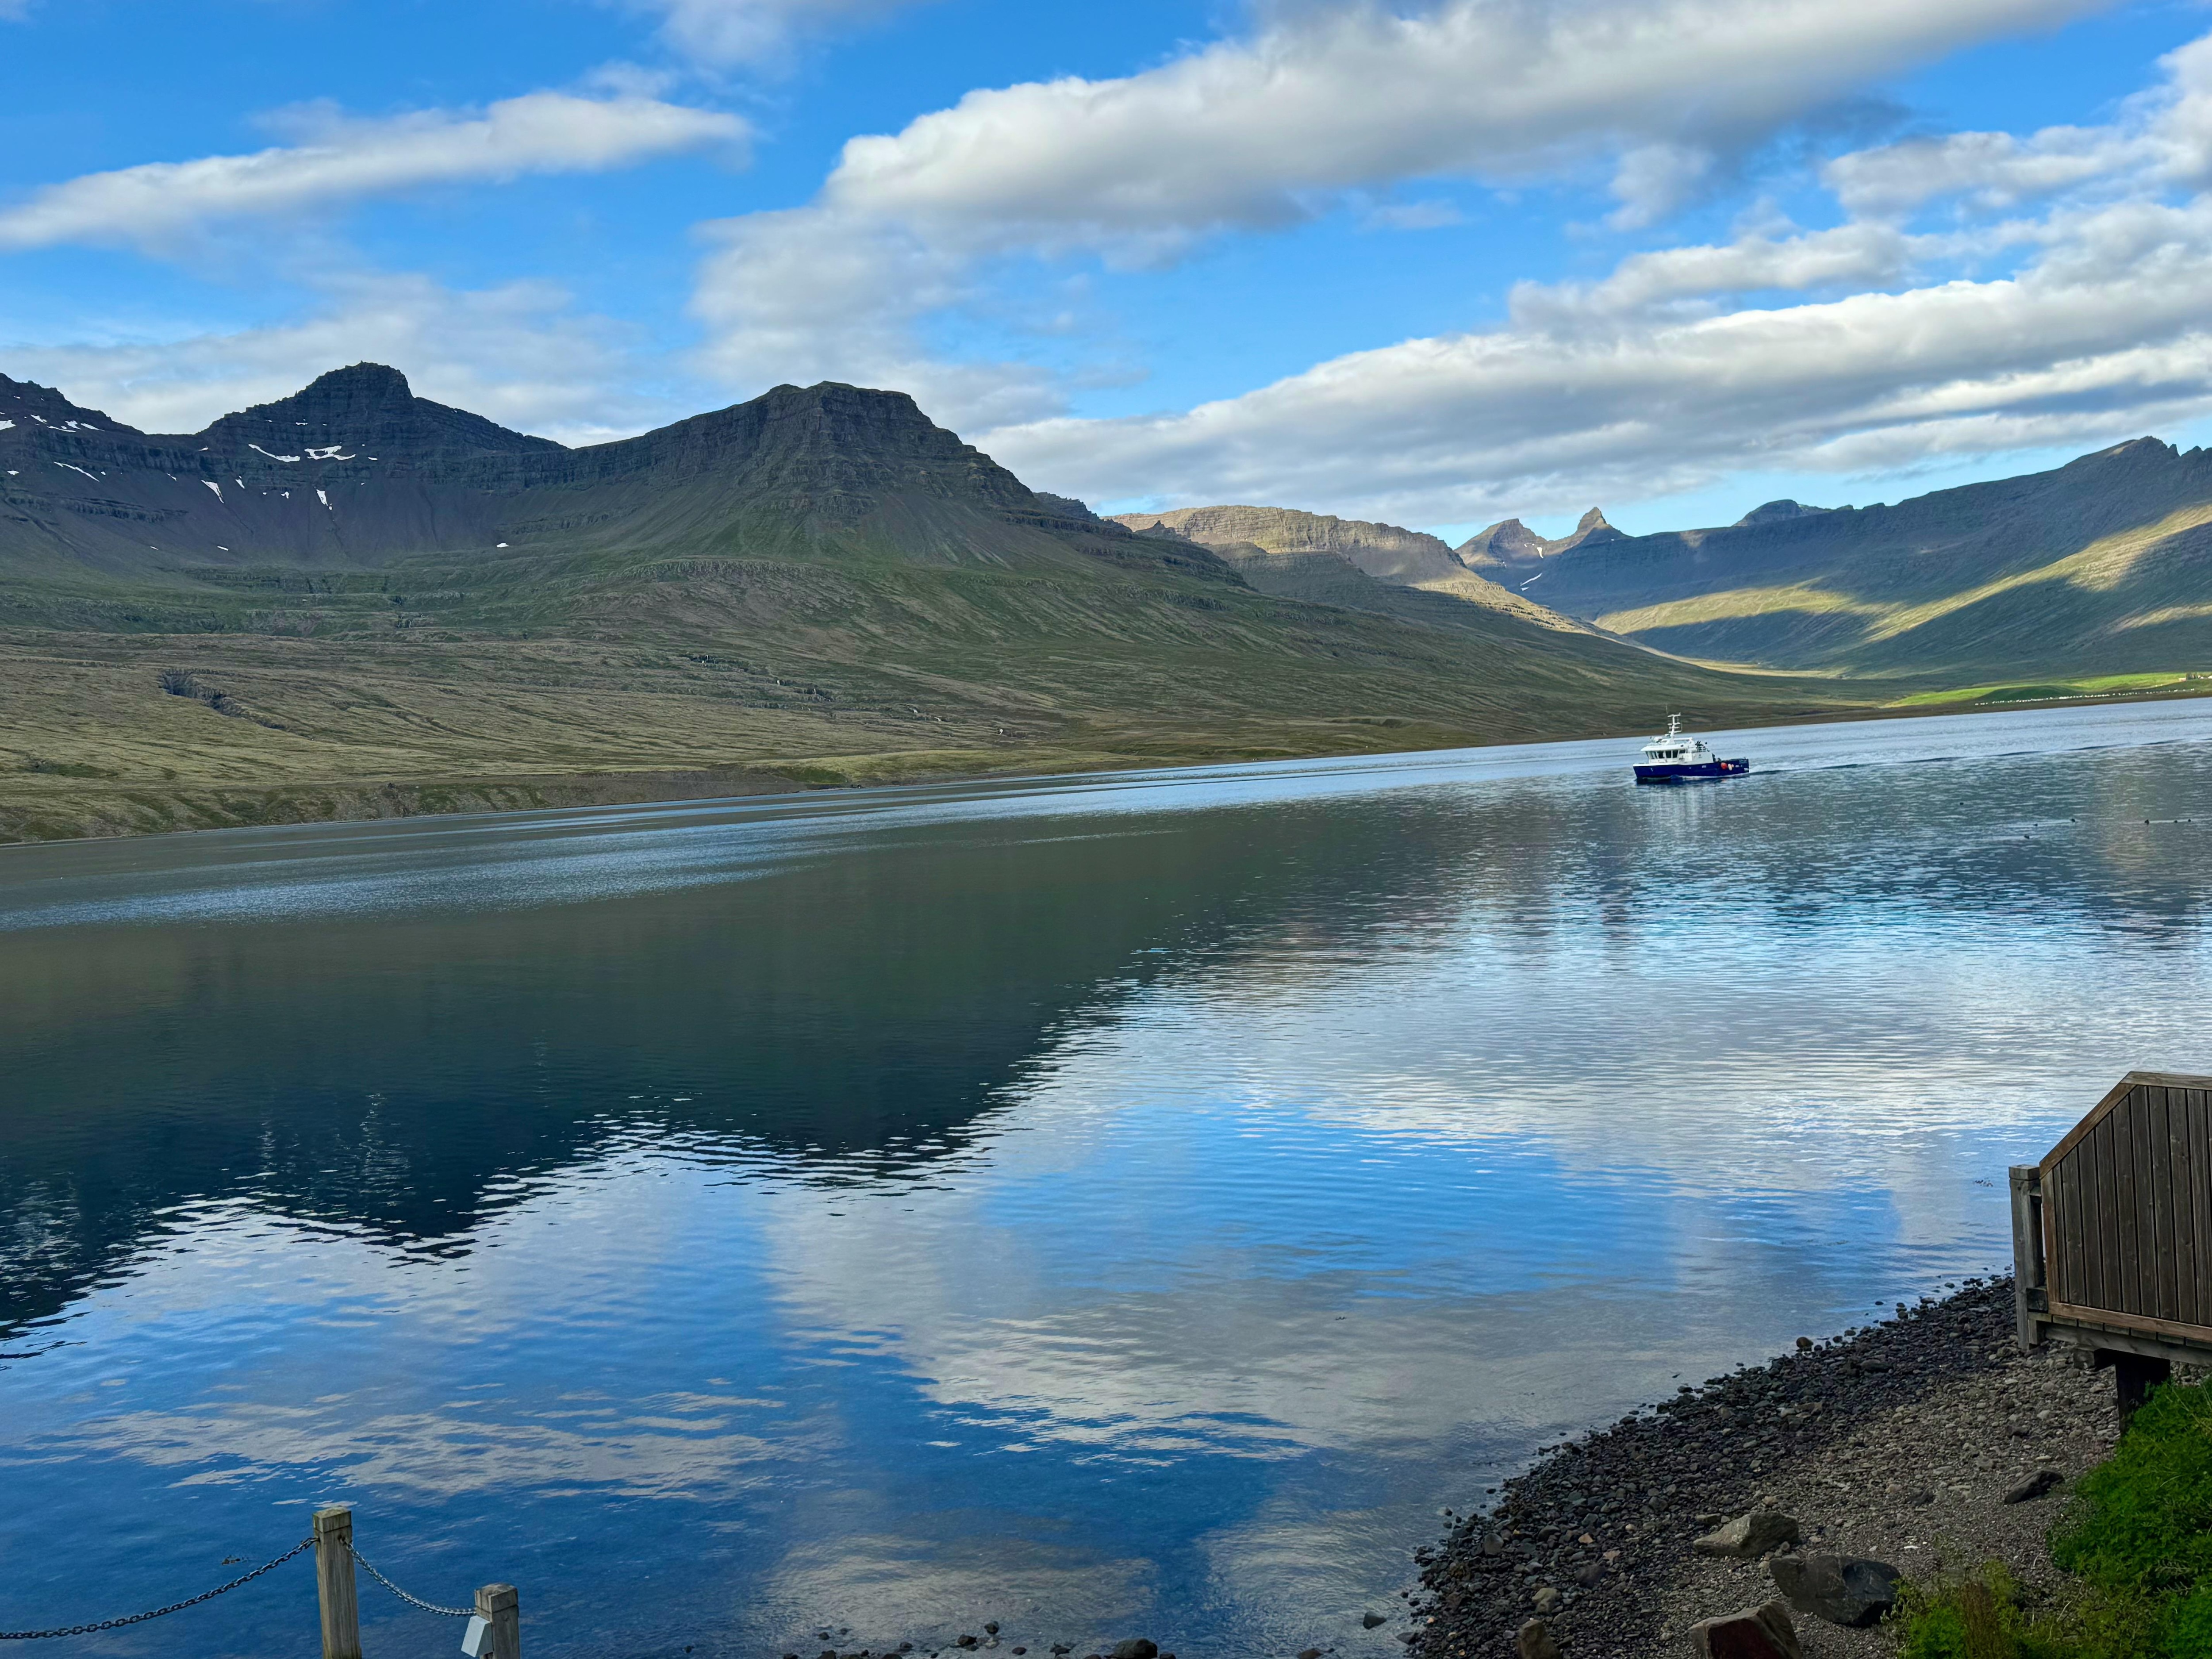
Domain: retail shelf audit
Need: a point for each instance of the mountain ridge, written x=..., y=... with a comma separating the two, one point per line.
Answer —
x=279, y=478
x=353, y=600
x=2102, y=564
x=1297, y=555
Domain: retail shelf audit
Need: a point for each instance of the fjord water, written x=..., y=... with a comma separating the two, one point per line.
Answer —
x=1107, y=1206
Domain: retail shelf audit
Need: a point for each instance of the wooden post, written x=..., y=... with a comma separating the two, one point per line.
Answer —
x=334, y=1584
x=2027, y=1263
x=501, y=1607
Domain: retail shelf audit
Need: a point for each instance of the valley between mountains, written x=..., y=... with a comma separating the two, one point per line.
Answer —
x=355, y=602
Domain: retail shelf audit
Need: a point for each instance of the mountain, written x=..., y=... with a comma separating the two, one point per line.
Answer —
x=1352, y=563
x=2101, y=566
x=356, y=601
x=1513, y=546
x=1776, y=512
x=357, y=470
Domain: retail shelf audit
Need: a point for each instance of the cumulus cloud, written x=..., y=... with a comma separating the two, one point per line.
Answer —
x=810, y=294
x=1633, y=388
x=730, y=32
x=2164, y=134
x=1244, y=133
x=339, y=158
x=517, y=353
x=1322, y=107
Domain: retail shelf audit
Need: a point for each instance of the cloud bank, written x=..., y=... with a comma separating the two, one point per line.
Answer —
x=1264, y=132
x=1688, y=364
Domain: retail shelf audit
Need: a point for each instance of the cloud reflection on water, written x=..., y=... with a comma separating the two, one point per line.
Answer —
x=1153, y=1217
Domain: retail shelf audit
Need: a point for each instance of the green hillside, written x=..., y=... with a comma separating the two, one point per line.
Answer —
x=2100, y=567
x=352, y=603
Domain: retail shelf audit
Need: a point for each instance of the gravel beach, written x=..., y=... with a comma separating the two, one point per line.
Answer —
x=1899, y=1442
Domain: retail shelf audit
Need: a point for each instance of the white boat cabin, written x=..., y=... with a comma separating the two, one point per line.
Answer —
x=1676, y=749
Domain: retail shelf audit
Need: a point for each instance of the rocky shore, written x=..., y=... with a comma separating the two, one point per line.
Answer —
x=1902, y=1442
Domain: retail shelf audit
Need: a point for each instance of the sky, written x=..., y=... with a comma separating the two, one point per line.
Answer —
x=1436, y=263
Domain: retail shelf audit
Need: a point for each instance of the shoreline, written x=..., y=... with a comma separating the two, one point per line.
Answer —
x=368, y=800
x=1899, y=1441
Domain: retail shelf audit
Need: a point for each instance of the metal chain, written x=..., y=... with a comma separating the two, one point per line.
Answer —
x=412, y=1601
x=174, y=1606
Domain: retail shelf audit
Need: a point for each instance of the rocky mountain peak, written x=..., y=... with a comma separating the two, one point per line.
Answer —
x=28, y=406
x=365, y=408
x=1511, y=542
x=361, y=383
x=1778, y=512
x=1503, y=543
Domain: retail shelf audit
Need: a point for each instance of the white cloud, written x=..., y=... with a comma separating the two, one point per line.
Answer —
x=2164, y=134
x=1628, y=388
x=1653, y=180
x=515, y=353
x=1870, y=344
x=340, y=158
x=728, y=32
x=811, y=294
x=1244, y=133
x=1320, y=107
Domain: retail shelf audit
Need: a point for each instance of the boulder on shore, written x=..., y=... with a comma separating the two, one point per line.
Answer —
x=1759, y=1633
x=1851, y=1590
x=1536, y=1642
x=1749, y=1536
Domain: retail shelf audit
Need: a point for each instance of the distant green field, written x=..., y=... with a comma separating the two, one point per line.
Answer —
x=2094, y=685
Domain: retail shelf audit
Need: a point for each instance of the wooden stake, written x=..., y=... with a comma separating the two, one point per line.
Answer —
x=2029, y=1269
x=501, y=1607
x=334, y=1584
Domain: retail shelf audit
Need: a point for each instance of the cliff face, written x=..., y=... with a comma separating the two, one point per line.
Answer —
x=1281, y=551
x=1383, y=550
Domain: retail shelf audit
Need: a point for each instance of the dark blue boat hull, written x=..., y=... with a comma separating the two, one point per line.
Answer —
x=1675, y=772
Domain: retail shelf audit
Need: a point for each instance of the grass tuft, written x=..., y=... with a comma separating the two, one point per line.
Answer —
x=2138, y=1540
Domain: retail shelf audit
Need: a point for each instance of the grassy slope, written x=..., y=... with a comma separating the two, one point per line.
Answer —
x=2099, y=568
x=628, y=672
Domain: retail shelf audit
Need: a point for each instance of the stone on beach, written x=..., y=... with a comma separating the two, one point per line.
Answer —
x=1368, y=1621
x=1749, y=1536
x=1851, y=1590
x=1536, y=1642
x=1135, y=1647
x=2034, y=1487
x=1766, y=1632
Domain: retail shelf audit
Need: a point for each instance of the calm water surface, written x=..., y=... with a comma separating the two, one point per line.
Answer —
x=1115, y=1205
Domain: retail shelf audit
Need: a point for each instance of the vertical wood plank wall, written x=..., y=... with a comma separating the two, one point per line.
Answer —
x=2127, y=1208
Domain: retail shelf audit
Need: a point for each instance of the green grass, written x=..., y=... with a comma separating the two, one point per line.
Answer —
x=2052, y=690
x=2137, y=1539
x=592, y=676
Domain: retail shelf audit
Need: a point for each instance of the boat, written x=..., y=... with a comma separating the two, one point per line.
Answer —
x=1676, y=758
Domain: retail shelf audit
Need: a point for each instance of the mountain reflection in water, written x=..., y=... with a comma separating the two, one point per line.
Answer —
x=1093, y=1204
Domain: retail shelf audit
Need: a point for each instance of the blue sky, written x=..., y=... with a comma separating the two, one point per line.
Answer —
x=1436, y=263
